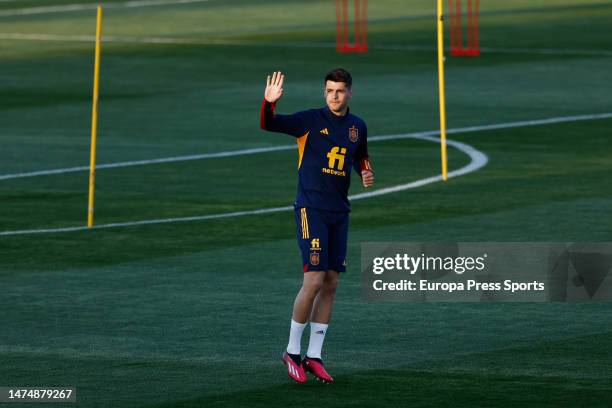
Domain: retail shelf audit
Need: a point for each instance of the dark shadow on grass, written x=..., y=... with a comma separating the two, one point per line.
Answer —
x=546, y=374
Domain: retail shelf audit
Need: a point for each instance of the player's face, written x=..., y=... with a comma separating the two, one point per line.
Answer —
x=337, y=96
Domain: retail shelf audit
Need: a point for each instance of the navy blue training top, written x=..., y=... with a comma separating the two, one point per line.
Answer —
x=329, y=146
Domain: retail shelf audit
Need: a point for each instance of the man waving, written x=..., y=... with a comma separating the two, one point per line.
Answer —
x=331, y=141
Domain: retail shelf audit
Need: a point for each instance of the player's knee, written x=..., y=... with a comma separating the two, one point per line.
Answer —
x=312, y=284
x=312, y=289
x=331, y=283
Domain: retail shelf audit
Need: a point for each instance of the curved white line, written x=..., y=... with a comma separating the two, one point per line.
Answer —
x=477, y=160
x=242, y=152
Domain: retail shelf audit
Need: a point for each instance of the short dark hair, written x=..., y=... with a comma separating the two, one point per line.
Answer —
x=339, y=75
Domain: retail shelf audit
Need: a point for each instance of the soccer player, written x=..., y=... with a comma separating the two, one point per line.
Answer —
x=331, y=141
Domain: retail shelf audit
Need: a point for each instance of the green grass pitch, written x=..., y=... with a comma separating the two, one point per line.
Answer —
x=196, y=314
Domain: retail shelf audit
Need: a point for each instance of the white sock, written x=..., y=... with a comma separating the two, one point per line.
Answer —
x=317, y=335
x=295, y=337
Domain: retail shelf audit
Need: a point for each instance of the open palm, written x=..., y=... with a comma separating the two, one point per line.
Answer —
x=274, y=87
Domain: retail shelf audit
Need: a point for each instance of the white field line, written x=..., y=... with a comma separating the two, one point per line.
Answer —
x=477, y=160
x=212, y=41
x=92, y=6
x=244, y=152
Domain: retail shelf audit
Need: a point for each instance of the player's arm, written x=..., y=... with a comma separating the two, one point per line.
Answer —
x=362, y=164
x=269, y=120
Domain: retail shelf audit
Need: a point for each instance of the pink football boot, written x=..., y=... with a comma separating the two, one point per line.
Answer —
x=315, y=367
x=295, y=371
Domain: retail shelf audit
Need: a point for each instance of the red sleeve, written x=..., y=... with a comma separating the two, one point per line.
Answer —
x=266, y=114
x=362, y=159
x=364, y=164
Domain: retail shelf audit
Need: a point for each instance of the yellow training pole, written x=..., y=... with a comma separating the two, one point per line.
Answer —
x=94, y=122
x=441, y=90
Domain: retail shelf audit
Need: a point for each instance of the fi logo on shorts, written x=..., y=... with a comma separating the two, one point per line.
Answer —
x=336, y=161
x=314, y=244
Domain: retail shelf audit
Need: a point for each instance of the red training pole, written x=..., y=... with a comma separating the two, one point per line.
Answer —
x=364, y=32
x=458, y=27
x=343, y=43
x=452, y=25
x=476, y=35
x=339, y=27
x=469, y=24
x=345, y=24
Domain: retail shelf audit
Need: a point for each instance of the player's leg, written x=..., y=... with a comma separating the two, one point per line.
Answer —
x=312, y=239
x=313, y=242
x=312, y=284
x=302, y=306
x=336, y=260
x=323, y=304
x=319, y=322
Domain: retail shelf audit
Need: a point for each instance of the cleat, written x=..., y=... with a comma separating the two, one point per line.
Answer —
x=316, y=368
x=295, y=371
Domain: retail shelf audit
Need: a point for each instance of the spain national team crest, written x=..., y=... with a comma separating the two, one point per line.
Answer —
x=314, y=258
x=353, y=134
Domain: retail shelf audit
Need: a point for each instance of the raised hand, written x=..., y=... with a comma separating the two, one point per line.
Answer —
x=274, y=87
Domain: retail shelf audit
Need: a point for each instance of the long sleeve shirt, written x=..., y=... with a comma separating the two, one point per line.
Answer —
x=329, y=146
